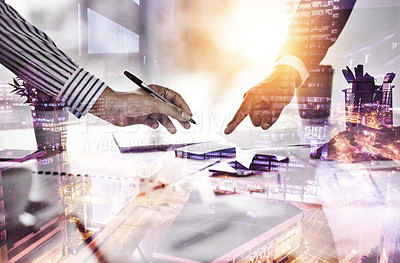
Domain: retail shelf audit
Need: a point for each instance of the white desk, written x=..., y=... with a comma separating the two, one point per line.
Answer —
x=338, y=212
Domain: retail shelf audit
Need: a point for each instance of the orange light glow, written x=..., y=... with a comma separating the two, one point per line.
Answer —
x=255, y=29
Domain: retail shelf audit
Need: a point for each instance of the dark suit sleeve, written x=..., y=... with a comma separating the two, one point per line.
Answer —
x=315, y=27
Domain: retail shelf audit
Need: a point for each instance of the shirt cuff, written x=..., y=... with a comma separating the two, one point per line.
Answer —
x=296, y=63
x=81, y=91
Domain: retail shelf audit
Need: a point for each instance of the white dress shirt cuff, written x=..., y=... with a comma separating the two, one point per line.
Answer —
x=297, y=64
x=81, y=91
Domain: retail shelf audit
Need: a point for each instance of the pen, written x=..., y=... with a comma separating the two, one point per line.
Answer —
x=146, y=88
x=352, y=78
x=389, y=77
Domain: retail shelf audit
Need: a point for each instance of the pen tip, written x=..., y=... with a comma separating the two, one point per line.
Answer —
x=192, y=121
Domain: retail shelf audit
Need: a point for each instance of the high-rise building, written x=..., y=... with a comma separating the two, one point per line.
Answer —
x=14, y=113
x=32, y=229
x=315, y=28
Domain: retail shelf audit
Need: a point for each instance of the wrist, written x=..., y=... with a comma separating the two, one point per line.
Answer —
x=296, y=64
x=104, y=103
x=282, y=77
x=282, y=80
x=288, y=76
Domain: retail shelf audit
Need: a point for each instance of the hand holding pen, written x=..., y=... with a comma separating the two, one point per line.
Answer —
x=130, y=108
x=156, y=94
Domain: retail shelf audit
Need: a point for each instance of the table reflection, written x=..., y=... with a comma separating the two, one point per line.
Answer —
x=90, y=206
x=49, y=213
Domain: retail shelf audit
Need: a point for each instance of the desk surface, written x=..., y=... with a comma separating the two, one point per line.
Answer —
x=100, y=205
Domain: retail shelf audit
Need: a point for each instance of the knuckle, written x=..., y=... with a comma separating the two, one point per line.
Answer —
x=153, y=107
x=173, y=111
x=157, y=88
x=176, y=97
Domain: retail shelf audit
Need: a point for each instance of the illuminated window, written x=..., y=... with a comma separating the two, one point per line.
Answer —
x=107, y=37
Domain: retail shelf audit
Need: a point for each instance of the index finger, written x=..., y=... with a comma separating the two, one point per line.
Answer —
x=173, y=96
x=241, y=113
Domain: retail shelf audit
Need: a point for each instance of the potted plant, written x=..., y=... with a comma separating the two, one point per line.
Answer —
x=49, y=116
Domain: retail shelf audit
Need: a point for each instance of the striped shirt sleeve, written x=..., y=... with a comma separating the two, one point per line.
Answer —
x=30, y=54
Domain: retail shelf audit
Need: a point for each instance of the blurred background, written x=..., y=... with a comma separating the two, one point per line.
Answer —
x=211, y=51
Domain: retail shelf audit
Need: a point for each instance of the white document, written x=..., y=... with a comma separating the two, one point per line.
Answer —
x=245, y=157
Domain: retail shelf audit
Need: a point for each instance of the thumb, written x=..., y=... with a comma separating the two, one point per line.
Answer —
x=171, y=110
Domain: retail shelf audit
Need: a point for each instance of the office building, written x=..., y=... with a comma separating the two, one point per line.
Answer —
x=14, y=113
